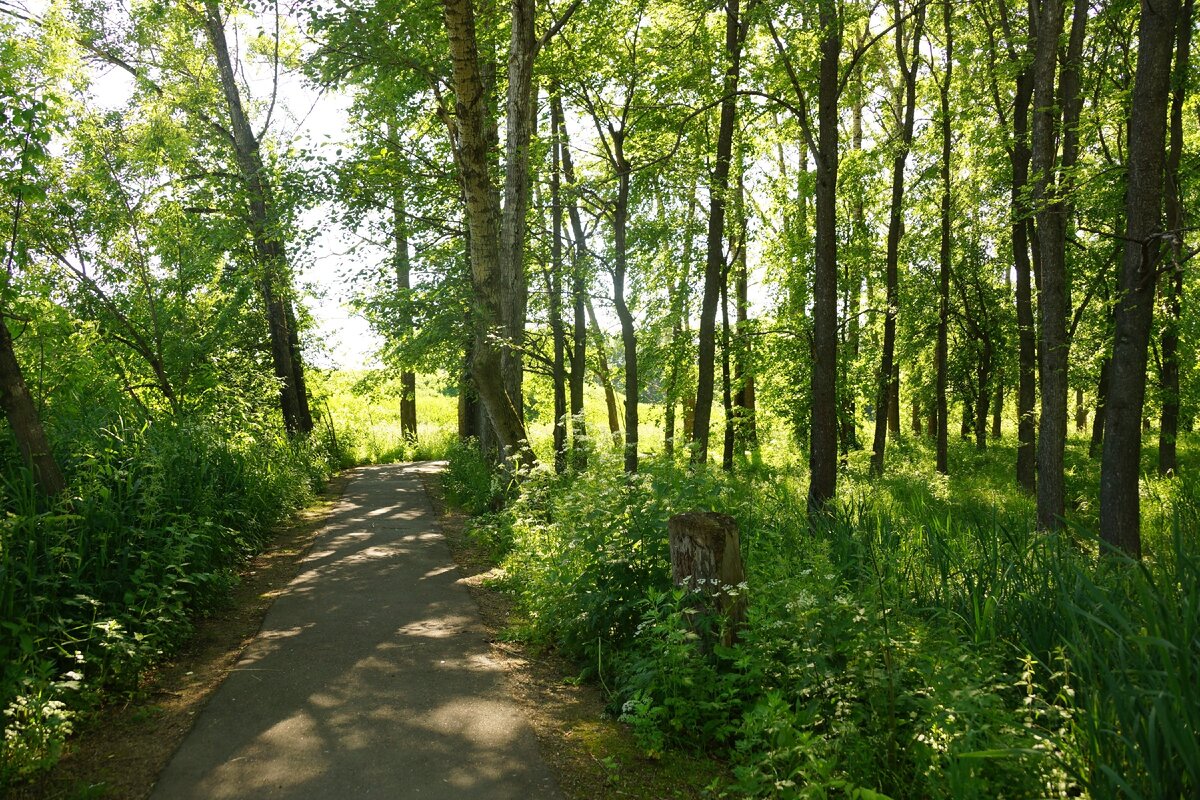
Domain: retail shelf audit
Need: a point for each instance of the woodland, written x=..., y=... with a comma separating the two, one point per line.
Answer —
x=905, y=287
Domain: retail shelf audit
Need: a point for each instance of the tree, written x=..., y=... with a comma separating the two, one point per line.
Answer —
x=736, y=26
x=25, y=132
x=908, y=59
x=1120, y=502
x=1168, y=431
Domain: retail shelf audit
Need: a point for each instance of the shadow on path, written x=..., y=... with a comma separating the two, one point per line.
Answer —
x=371, y=676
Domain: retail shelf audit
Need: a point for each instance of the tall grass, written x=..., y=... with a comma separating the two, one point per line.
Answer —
x=107, y=581
x=922, y=640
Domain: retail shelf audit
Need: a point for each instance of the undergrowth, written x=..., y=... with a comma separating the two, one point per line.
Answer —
x=922, y=640
x=103, y=583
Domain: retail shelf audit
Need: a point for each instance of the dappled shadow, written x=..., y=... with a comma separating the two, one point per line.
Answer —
x=371, y=677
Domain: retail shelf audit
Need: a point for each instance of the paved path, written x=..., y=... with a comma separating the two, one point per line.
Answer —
x=371, y=676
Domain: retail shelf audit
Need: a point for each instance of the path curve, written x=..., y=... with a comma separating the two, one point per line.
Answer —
x=371, y=676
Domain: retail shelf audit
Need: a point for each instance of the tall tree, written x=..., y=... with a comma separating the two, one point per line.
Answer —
x=1168, y=431
x=497, y=233
x=1120, y=501
x=265, y=230
x=908, y=58
x=942, y=355
x=735, y=34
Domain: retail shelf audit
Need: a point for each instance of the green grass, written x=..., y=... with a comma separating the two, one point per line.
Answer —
x=924, y=640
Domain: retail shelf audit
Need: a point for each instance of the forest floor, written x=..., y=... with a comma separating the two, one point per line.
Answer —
x=124, y=748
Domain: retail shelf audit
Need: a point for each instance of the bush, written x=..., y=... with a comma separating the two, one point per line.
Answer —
x=94, y=590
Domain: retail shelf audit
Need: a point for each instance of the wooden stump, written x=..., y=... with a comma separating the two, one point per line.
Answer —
x=707, y=558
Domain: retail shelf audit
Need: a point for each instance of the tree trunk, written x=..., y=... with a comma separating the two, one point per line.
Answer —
x=909, y=63
x=943, y=451
x=628, y=332
x=715, y=261
x=1026, y=345
x=554, y=288
x=24, y=422
x=1081, y=413
x=270, y=250
x=706, y=558
x=983, y=376
x=1052, y=287
x=579, y=292
x=679, y=309
x=1120, y=503
x=1168, y=429
x=408, y=378
x=726, y=379
x=496, y=241
x=823, y=452
x=1095, y=445
x=746, y=428
x=605, y=376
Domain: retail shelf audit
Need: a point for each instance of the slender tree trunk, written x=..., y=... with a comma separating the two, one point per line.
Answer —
x=605, y=376
x=579, y=293
x=743, y=378
x=269, y=248
x=679, y=311
x=628, y=332
x=554, y=288
x=823, y=453
x=1081, y=413
x=983, y=376
x=403, y=266
x=1168, y=429
x=497, y=271
x=24, y=421
x=1097, y=441
x=943, y=453
x=726, y=379
x=1120, y=503
x=715, y=262
x=909, y=64
x=1026, y=467
x=998, y=401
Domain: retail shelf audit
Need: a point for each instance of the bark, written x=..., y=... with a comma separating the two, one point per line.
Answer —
x=715, y=261
x=1026, y=466
x=408, y=378
x=1050, y=198
x=1168, y=429
x=679, y=309
x=628, y=332
x=519, y=125
x=983, y=376
x=554, y=288
x=1097, y=441
x=605, y=376
x=726, y=379
x=823, y=453
x=578, y=291
x=24, y=421
x=495, y=257
x=909, y=63
x=269, y=249
x=743, y=378
x=942, y=356
x=1081, y=413
x=1120, y=504
x=706, y=558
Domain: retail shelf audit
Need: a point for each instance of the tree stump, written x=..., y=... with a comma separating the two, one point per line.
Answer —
x=706, y=558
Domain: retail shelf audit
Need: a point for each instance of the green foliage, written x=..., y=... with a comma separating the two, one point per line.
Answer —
x=919, y=642
x=103, y=585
